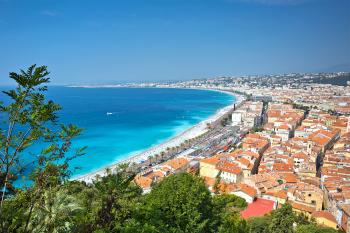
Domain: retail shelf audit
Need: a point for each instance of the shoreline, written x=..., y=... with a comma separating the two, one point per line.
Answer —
x=190, y=133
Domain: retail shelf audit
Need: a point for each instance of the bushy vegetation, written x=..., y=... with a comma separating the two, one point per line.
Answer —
x=113, y=203
x=180, y=203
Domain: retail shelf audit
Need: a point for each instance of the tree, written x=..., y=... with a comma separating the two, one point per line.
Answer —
x=228, y=202
x=282, y=220
x=232, y=223
x=54, y=212
x=180, y=203
x=26, y=110
x=217, y=183
x=31, y=119
x=226, y=211
x=313, y=228
x=259, y=224
x=301, y=219
x=115, y=195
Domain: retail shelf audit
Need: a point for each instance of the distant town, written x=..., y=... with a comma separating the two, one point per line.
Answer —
x=287, y=141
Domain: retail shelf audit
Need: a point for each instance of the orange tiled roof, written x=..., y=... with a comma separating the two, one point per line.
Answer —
x=211, y=160
x=248, y=190
x=282, y=167
x=345, y=208
x=244, y=162
x=300, y=155
x=143, y=181
x=289, y=178
x=322, y=137
x=177, y=163
x=284, y=126
x=229, y=167
x=282, y=194
x=302, y=207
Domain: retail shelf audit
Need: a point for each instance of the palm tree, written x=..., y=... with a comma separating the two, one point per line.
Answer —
x=108, y=170
x=113, y=193
x=156, y=157
x=150, y=159
x=162, y=154
x=182, y=145
x=54, y=212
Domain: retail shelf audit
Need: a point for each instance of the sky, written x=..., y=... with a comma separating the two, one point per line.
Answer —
x=104, y=42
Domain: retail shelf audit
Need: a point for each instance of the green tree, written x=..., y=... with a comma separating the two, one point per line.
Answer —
x=54, y=212
x=180, y=203
x=31, y=119
x=116, y=194
x=87, y=199
x=303, y=219
x=313, y=228
x=233, y=223
x=282, y=220
x=229, y=202
x=259, y=224
x=108, y=203
x=226, y=213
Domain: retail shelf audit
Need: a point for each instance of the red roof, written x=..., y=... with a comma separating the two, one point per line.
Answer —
x=229, y=167
x=324, y=214
x=248, y=190
x=258, y=208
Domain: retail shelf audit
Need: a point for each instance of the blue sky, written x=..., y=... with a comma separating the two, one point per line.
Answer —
x=96, y=41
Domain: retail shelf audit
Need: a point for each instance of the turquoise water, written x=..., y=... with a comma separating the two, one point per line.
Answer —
x=140, y=118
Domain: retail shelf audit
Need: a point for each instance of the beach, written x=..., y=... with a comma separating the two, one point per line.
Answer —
x=175, y=141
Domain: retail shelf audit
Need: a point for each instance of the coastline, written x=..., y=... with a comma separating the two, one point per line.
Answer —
x=174, y=141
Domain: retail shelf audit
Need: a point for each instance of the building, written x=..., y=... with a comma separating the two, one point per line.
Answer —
x=248, y=193
x=325, y=218
x=236, y=117
x=207, y=167
x=229, y=172
x=343, y=217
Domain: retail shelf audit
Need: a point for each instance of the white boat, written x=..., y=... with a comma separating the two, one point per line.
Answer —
x=109, y=113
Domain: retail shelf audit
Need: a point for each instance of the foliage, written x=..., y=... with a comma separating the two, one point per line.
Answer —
x=302, y=107
x=229, y=202
x=54, y=211
x=282, y=220
x=116, y=195
x=226, y=210
x=312, y=228
x=181, y=203
x=31, y=119
x=256, y=129
x=259, y=224
x=232, y=223
x=303, y=219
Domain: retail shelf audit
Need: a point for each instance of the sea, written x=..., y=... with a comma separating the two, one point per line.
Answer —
x=120, y=122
